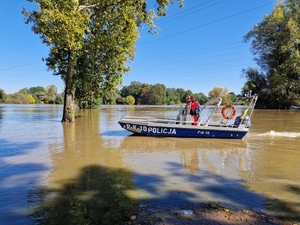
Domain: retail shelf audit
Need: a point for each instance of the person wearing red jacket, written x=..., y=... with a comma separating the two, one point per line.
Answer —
x=195, y=110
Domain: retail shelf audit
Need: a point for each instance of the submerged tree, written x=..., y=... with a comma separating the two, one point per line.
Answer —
x=98, y=33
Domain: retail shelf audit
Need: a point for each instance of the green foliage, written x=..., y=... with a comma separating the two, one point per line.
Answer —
x=91, y=42
x=129, y=100
x=31, y=99
x=276, y=43
x=24, y=91
x=133, y=89
x=172, y=97
x=222, y=93
x=182, y=94
x=143, y=100
x=17, y=98
x=36, y=90
x=157, y=94
x=2, y=96
x=146, y=94
x=233, y=97
x=59, y=99
x=201, y=98
x=88, y=101
x=110, y=97
x=51, y=93
x=29, y=96
x=186, y=93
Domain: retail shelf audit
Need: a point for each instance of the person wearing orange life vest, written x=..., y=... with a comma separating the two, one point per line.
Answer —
x=195, y=110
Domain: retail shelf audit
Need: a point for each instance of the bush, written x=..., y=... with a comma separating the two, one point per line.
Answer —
x=129, y=100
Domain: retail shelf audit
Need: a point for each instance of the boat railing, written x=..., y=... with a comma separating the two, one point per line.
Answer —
x=149, y=119
x=184, y=118
x=243, y=120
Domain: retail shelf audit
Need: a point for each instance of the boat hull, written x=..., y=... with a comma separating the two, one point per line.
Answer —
x=186, y=131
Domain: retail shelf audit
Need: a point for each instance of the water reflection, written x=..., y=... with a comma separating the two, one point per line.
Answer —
x=212, y=155
x=189, y=165
x=191, y=160
x=82, y=147
x=235, y=168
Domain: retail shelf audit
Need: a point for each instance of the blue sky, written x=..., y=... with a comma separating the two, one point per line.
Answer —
x=198, y=47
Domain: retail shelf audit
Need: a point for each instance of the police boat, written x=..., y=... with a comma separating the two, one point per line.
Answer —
x=215, y=121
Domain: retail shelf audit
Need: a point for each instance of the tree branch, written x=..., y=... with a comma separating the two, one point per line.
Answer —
x=81, y=7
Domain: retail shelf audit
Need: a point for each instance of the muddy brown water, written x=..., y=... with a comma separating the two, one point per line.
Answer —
x=93, y=170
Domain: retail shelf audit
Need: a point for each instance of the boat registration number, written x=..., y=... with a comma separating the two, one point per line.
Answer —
x=154, y=130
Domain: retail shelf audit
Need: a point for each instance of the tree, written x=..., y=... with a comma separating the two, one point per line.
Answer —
x=24, y=91
x=59, y=99
x=222, y=93
x=2, y=96
x=133, y=89
x=144, y=99
x=51, y=92
x=129, y=100
x=31, y=99
x=110, y=97
x=186, y=93
x=182, y=93
x=17, y=98
x=69, y=28
x=275, y=42
x=233, y=96
x=172, y=96
x=256, y=82
x=36, y=90
x=87, y=99
x=152, y=94
x=157, y=94
x=201, y=98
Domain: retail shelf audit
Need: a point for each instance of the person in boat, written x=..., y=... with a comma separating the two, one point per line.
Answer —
x=195, y=110
x=187, y=105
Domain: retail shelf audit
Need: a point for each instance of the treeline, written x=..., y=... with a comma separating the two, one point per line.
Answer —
x=136, y=93
x=158, y=94
x=33, y=95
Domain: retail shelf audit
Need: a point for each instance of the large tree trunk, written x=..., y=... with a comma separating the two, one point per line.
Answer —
x=69, y=105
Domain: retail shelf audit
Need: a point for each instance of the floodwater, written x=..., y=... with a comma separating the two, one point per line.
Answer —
x=93, y=170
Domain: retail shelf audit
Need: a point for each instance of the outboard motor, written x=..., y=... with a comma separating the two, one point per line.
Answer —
x=246, y=121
